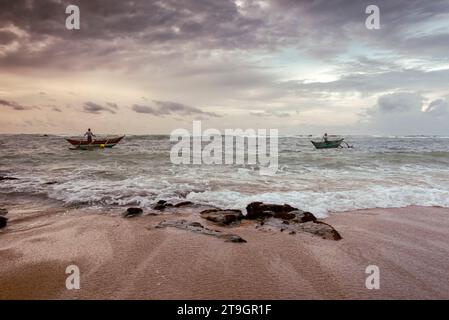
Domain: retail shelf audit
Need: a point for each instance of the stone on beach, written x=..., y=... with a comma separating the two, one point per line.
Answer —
x=303, y=216
x=196, y=224
x=3, y=222
x=257, y=210
x=321, y=229
x=3, y=212
x=316, y=228
x=182, y=204
x=274, y=217
x=222, y=217
x=161, y=205
x=132, y=212
x=197, y=227
x=233, y=238
x=284, y=215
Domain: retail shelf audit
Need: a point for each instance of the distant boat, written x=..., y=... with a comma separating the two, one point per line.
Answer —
x=329, y=144
x=84, y=145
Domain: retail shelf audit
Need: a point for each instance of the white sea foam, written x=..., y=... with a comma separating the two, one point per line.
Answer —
x=323, y=203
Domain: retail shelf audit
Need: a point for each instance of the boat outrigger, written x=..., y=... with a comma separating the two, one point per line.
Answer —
x=85, y=145
x=330, y=144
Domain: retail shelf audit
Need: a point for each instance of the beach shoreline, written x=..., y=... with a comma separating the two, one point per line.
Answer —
x=123, y=258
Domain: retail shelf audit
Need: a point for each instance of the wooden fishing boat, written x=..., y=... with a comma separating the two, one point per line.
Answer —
x=329, y=144
x=84, y=145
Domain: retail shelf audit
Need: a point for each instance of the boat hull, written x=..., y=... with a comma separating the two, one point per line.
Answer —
x=100, y=144
x=330, y=144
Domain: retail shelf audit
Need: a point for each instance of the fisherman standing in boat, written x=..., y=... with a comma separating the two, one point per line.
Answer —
x=89, y=135
x=325, y=137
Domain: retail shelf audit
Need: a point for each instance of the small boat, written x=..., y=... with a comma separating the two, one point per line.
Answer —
x=329, y=144
x=84, y=145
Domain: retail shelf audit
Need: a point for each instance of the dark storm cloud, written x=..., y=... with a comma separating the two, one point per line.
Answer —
x=223, y=54
x=213, y=24
x=13, y=105
x=92, y=107
x=119, y=28
x=400, y=102
x=403, y=113
x=6, y=37
x=164, y=108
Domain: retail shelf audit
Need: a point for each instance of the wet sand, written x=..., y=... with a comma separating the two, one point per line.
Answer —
x=130, y=259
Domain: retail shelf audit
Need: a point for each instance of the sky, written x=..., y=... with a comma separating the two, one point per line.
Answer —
x=149, y=67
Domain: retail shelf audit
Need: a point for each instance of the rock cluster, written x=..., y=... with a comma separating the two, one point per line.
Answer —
x=266, y=217
x=197, y=227
x=163, y=204
x=222, y=217
x=274, y=217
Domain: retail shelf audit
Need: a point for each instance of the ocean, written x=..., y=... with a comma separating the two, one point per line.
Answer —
x=384, y=172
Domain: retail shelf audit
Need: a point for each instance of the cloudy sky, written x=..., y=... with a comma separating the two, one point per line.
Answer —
x=147, y=67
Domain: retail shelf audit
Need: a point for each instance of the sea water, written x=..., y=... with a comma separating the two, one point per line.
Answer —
x=379, y=171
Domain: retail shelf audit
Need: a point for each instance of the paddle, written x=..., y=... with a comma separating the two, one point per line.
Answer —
x=347, y=145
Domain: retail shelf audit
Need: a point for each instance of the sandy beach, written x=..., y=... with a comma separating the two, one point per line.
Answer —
x=130, y=259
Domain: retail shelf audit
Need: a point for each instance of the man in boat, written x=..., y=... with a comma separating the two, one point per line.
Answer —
x=89, y=135
x=325, y=137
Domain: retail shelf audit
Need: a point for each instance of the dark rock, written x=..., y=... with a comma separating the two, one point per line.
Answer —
x=303, y=216
x=161, y=205
x=50, y=183
x=3, y=222
x=283, y=218
x=316, y=228
x=3, y=212
x=321, y=229
x=257, y=210
x=222, y=217
x=196, y=224
x=8, y=178
x=198, y=228
x=233, y=238
x=132, y=212
x=284, y=215
x=182, y=204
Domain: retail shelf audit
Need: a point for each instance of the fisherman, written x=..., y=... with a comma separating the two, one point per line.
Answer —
x=325, y=137
x=89, y=135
